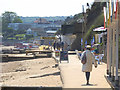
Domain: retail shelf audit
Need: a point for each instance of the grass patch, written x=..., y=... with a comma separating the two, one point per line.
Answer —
x=99, y=21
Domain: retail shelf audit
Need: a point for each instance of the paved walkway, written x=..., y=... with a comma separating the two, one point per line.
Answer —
x=73, y=77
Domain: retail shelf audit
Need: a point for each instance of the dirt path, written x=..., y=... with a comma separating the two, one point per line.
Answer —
x=34, y=72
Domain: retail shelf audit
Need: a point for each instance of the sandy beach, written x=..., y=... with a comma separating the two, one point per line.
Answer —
x=33, y=72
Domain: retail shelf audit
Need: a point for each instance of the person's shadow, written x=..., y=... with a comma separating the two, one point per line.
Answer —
x=89, y=85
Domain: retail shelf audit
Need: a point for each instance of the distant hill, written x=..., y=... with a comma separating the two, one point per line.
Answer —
x=71, y=20
x=32, y=19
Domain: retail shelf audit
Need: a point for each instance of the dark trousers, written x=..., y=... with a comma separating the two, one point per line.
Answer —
x=87, y=76
x=54, y=47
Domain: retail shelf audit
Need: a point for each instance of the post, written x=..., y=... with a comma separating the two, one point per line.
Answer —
x=82, y=27
x=110, y=50
x=113, y=54
x=82, y=37
x=117, y=45
x=85, y=22
x=108, y=47
x=116, y=77
x=108, y=60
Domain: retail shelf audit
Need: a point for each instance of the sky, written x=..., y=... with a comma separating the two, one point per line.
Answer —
x=43, y=7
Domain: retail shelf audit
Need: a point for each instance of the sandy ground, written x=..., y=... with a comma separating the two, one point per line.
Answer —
x=6, y=47
x=34, y=72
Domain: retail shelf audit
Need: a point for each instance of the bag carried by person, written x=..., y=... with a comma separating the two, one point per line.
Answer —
x=84, y=58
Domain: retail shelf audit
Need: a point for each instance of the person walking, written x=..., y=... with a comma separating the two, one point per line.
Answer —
x=87, y=58
x=62, y=45
x=65, y=46
x=54, y=45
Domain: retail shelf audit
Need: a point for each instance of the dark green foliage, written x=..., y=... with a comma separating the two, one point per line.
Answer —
x=7, y=18
x=88, y=36
x=72, y=20
x=28, y=37
x=9, y=33
x=95, y=11
x=17, y=20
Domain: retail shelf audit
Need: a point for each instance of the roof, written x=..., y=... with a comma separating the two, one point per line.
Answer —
x=37, y=29
x=51, y=31
x=100, y=29
x=41, y=21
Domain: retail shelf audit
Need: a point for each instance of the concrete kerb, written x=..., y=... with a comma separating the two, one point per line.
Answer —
x=57, y=61
x=61, y=77
x=30, y=88
x=111, y=84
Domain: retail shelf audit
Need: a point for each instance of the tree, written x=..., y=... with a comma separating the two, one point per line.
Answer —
x=28, y=37
x=7, y=18
x=17, y=20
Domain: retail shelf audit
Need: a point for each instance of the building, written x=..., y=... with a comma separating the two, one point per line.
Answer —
x=36, y=32
x=39, y=31
x=73, y=30
x=68, y=39
x=38, y=23
x=19, y=26
x=41, y=21
x=29, y=32
x=51, y=33
x=39, y=28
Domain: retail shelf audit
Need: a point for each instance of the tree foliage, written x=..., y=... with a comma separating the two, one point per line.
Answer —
x=9, y=17
x=29, y=37
x=17, y=20
x=95, y=11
